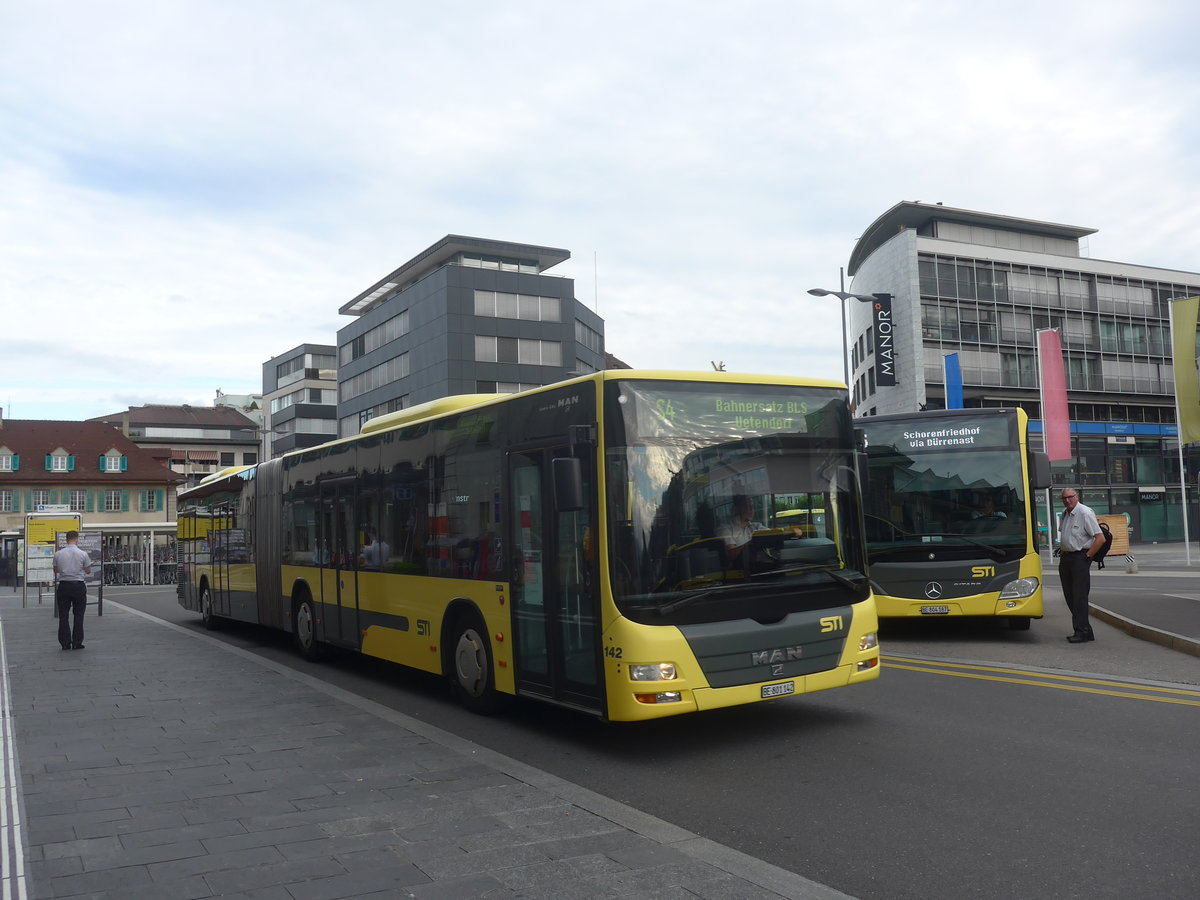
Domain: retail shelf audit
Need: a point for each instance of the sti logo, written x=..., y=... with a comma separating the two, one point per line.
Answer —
x=983, y=571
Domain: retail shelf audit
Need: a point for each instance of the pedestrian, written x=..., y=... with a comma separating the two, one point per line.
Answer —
x=70, y=595
x=1079, y=539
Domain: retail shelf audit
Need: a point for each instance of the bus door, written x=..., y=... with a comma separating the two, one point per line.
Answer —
x=338, y=542
x=219, y=543
x=554, y=585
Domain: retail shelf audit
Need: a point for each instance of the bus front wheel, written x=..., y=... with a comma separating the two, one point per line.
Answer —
x=210, y=620
x=1018, y=623
x=472, y=675
x=306, y=631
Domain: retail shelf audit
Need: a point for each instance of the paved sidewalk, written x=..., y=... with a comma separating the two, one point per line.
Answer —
x=138, y=778
x=1172, y=617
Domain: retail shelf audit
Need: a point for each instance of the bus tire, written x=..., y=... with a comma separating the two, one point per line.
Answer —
x=471, y=673
x=210, y=619
x=1018, y=623
x=305, y=631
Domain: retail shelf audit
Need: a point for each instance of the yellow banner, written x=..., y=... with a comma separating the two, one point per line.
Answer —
x=43, y=531
x=1183, y=353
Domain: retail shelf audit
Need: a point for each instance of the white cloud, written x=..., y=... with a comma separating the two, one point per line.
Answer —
x=191, y=188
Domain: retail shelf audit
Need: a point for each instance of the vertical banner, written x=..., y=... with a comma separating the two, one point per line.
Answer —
x=1183, y=362
x=954, y=382
x=885, y=341
x=1056, y=422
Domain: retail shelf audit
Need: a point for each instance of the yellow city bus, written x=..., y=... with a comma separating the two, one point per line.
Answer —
x=949, y=501
x=569, y=544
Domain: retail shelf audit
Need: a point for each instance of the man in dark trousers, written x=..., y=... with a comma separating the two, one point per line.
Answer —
x=70, y=595
x=1079, y=539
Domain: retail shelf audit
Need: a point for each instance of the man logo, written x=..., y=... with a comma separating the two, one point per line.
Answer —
x=933, y=590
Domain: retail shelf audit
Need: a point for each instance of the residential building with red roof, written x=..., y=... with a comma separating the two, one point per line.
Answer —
x=88, y=466
x=192, y=441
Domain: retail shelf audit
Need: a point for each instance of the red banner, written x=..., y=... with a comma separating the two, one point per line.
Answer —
x=1056, y=421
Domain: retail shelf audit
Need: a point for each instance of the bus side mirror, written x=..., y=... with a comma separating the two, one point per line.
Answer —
x=568, y=483
x=1039, y=470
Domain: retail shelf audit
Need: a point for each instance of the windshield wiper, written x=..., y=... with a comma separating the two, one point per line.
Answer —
x=833, y=573
x=686, y=600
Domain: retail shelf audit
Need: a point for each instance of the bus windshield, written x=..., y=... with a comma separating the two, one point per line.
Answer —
x=951, y=483
x=730, y=501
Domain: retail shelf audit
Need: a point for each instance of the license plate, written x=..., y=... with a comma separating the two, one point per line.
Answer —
x=934, y=610
x=778, y=690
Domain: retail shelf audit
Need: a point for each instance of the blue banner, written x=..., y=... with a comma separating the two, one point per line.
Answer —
x=954, y=383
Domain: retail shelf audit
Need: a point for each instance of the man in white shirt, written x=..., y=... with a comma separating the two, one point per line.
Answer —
x=71, y=565
x=1079, y=539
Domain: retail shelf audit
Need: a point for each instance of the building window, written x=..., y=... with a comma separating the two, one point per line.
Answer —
x=112, y=463
x=385, y=373
x=517, y=350
x=112, y=501
x=503, y=387
x=589, y=337
x=58, y=463
x=78, y=501
x=40, y=498
x=227, y=458
x=501, y=305
x=148, y=501
x=381, y=334
x=6, y=462
x=249, y=459
x=6, y=501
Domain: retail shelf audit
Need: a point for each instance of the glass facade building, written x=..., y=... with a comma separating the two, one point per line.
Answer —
x=981, y=286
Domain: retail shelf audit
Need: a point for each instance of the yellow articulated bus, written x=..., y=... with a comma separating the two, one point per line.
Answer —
x=950, y=514
x=606, y=543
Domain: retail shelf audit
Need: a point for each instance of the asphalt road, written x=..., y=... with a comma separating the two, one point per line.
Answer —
x=1018, y=766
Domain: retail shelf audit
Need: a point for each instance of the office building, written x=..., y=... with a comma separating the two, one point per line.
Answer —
x=464, y=316
x=299, y=399
x=982, y=285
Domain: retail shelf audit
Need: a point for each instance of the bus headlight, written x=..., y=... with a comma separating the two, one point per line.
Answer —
x=868, y=641
x=1022, y=587
x=654, y=672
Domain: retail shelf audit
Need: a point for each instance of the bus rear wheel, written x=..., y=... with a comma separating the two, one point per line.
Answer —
x=210, y=620
x=472, y=675
x=306, y=631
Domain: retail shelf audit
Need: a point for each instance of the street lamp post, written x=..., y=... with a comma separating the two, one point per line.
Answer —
x=843, y=296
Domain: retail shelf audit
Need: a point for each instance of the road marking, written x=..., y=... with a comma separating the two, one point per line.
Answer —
x=12, y=837
x=1186, y=696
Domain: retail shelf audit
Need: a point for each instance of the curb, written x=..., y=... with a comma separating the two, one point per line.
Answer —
x=1156, y=636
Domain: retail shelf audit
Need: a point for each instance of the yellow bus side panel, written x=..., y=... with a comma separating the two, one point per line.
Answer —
x=402, y=617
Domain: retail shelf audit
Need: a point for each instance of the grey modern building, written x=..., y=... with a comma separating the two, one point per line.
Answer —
x=982, y=285
x=299, y=399
x=465, y=316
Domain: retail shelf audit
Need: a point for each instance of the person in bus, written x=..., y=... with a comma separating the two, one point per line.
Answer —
x=741, y=526
x=374, y=552
x=1079, y=539
x=987, y=509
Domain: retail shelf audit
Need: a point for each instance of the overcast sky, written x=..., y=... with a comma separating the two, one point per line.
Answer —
x=190, y=188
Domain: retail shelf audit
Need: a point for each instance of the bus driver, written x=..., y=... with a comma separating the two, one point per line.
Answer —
x=741, y=526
